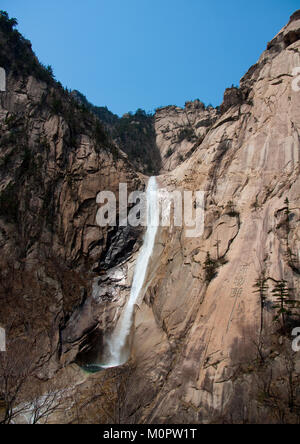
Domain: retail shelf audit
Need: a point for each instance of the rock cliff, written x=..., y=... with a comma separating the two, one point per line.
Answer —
x=55, y=158
x=209, y=348
x=205, y=347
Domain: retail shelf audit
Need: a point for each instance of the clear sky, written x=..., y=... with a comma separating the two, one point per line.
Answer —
x=129, y=54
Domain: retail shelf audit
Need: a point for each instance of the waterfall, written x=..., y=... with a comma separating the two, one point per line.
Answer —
x=117, y=351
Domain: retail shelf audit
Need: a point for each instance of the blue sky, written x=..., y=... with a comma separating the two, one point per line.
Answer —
x=129, y=54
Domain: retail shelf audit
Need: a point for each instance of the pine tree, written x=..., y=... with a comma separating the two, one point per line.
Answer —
x=217, y=244
x=232, y=212
x=284, y=302
x=7, y=23
x=210, y=267
x=287, y=212
x=262, y=288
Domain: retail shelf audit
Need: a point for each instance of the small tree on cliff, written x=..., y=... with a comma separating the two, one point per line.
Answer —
x=232, y=212
x=217, y=245
x=284, y=302
x=210, y=267
x=6, y=23
x=261, y=289
x=287, y=213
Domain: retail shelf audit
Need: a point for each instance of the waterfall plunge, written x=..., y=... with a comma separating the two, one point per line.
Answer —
x=117, y=351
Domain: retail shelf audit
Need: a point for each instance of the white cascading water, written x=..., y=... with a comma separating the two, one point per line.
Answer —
x=117, y=352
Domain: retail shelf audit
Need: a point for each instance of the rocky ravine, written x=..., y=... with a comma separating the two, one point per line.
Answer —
x=203, y=346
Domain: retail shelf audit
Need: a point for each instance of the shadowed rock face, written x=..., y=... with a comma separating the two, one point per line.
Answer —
x=203, y=348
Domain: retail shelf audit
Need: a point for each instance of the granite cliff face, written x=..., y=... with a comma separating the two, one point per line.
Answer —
x=133, y=133
x=55, y=158
x=197, y=340
x=180, y=131
x=205, y=346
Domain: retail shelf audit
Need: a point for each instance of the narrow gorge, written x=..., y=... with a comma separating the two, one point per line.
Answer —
x=146, y=325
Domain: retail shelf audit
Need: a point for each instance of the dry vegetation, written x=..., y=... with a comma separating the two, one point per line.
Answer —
x=266, y=380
